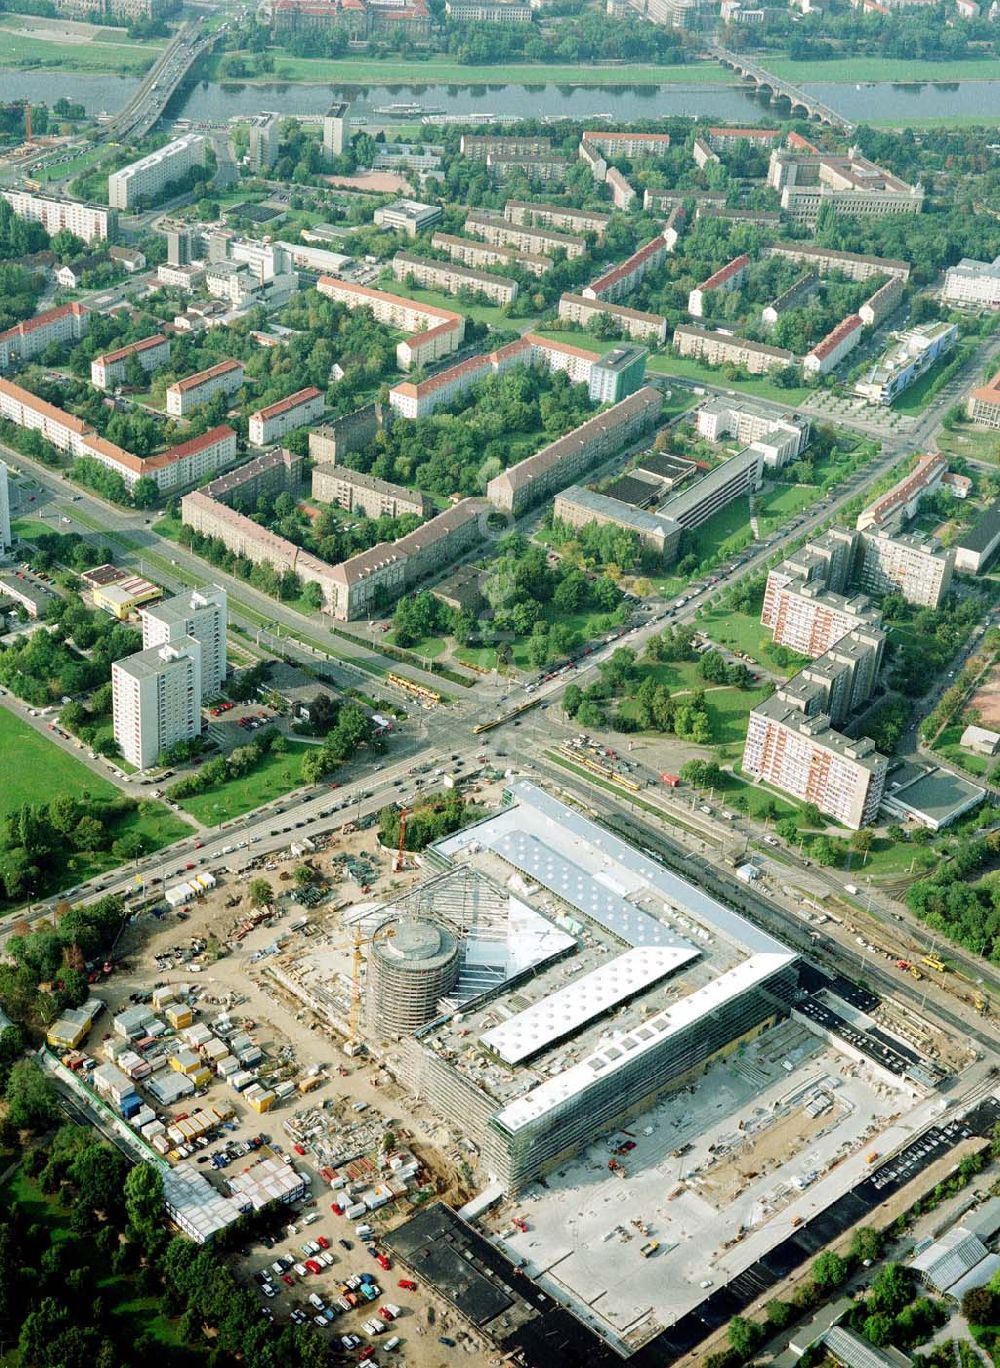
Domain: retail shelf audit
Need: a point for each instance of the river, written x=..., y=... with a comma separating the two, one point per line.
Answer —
x=216, y=102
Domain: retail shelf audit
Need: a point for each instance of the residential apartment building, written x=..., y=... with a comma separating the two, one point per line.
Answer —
x=809, y=618
x=784, y=435
x=596, y=164
x=200, y=613
x=29, y=339
x=630, y=145
x=407, y=216
x=443, y=275
x=663, y=201
x=226, y=377
x=633, y=323
x=376, y=577
x=63, y=430
x=974, y=284
x=144, y=179
x=885, y=301
x=726, y=139
x=839, y=342
x=91, y=222
x=471, y=252
x=542, y=170
x=272, y=472
x=488, y=12
x=335, y=439
x=905, y=564
x=108, y=370
x=854, y=265
x=273, y=422
x=623, y=192
x=360, y=493
x=975, y=548
x=797, y=293
x=726, y=280
x=619, y=281
x=156, y=700
x=698, y=501
x=562, y=217
x=433, y=332
x=184, y=464
x=701, y=151
x=479, y=148
x=559, y=464
x=900, y=503
x=335, y=127
x=718, y=348
x=525, y=237
x=848, y=184
x=617, y=374
x=909, y=355
x=420, y=157
x=5, y=537
x=265, y=134
x=802, y=755
x=578, y=506
x=982, y=406
x=186, y=278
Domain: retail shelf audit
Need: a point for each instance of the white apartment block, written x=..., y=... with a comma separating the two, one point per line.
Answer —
x=181, y=465
x=201, y=614
x=187, y=394
x=5, y=538
x=272, y=423
x=623, y=192
x=904, y=564
x=983, y=404
x=149, y=175
x=973, y=283
x=831, y=350
x=433, y=332
x=882, y=303
x=628, y=145
x=726, y=280
x=559, y=216
x=621, y=280
x=716, y=348
x=805, y=757
x=22, y=407
x=27, y=339
x=452, y=279
x=156, y=700
x=471, y=252
x=523, y=236
x=809, y=618
x=91, y=222
x=634, y=323
x=854, y=265
x=109, y=369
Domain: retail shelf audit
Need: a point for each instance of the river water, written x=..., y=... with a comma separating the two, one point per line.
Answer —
x=215, y=103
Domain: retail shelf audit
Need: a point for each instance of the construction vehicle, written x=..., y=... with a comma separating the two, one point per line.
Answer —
x=934, y=963
x=521, y=1224
x=650, y=1247
x=399, y=861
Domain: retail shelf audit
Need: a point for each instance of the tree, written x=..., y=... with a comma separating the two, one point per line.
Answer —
x=981, y=1306
x=891, y=1289
x=572, y=698
x=146, y=492
x=866, y=1243
x=861, y=840
x=260, y=892
x=829, y=1271
x=30, y=1097
x=312, y=596
x=144, y=1202
x=744, y=1336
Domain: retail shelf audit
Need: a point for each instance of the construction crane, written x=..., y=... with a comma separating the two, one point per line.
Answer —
x=399, y=862
x=28, y=139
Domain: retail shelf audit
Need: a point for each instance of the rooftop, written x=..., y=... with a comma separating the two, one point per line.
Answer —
x=983, y=532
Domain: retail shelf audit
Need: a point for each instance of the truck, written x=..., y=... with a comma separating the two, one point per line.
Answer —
x=671, y=780
x=650, y=1247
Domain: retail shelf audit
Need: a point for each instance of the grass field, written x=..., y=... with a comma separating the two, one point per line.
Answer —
x=368, y=71
x=27, y=529
x=977, y=444
x=851, y=70
x=687, y=368
x=482, y=313
x=275, y=775
x=727, y=708
x=104, y=59
x=916, y=398
x=36, y=769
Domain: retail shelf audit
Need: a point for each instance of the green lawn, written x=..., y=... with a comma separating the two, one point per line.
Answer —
x=275, y=775
x=368, y=71
x=948, y=748
x=118, y=59
x=482, y=313
x=977, y=444
x=27, y=529
x=687, y=368
x=727, y=708
x=782, y=503
x=430, y=648
x=916, y=398
x=851, y=70
x=36, y=769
